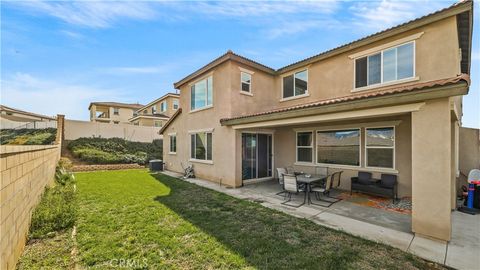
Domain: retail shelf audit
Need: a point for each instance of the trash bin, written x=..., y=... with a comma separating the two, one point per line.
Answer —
x=156, y=165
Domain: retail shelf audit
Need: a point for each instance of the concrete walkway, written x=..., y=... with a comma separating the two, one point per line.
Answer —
x=462, y=252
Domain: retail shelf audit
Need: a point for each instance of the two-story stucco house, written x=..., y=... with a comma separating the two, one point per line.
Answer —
x=157, y=112
x=387, y=103
x=112, y=112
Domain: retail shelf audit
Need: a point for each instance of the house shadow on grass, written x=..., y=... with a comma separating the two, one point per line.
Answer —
x=269, y=239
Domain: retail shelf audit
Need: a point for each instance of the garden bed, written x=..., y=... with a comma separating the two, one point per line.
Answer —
x=28, y=136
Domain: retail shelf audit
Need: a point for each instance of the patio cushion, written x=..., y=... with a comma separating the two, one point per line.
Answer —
x=388, y=180
x=364, y=178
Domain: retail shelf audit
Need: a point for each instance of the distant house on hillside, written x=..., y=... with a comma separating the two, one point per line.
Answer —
x=157, y=112
x=15, y=118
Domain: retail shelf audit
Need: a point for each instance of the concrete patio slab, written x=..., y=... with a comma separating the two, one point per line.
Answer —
x=435, y=251
x=464, y=249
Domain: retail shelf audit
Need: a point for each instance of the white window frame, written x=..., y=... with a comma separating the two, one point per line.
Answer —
x=306, y=94
x=380, y=147
x=154, y=109
x=175, y=104
x=116, y=111
x=194, y=159
x=155, y=123
x=312, y=133
x=172, y=135
x=249, y=92
x=207, y=106
x=381, y=83
x=340, y=165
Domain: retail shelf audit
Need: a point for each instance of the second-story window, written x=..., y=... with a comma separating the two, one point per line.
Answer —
x=389, y=65
x=246, y=82
x=115, y=111
x=154, y=110
x=163, y=106
x=175, y=104
x=201, y=94
x=295, y=84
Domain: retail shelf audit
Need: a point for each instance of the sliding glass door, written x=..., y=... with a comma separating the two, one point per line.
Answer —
x=256, y=155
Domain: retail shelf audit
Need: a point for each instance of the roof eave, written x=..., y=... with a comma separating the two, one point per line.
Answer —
x=456, y=89
x=172, y=118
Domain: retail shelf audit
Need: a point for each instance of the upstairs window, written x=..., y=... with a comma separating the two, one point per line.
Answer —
x=295, y=84
x=154, y=110
x=389, y=65
x=116, y=111
x=175, y=104
x=246, y=79
x=157, y=123
x=201, y=94
x=163, y=106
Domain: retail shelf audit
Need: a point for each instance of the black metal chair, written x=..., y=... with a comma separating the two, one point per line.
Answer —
x=280, y=173
x=325, y=190
x=291, y=186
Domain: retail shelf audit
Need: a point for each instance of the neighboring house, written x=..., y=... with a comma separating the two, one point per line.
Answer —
x=387, y=103
x=112, y=112
x=15, y=118
x=157, y=112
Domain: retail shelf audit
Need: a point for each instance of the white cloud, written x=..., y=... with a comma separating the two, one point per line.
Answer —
x=90, y=13
x=26, y=92
x=386, y=13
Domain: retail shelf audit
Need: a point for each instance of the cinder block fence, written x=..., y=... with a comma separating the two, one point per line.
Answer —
x=25, y=171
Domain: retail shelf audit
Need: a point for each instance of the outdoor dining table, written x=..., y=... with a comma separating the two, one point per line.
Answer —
x=308, y=179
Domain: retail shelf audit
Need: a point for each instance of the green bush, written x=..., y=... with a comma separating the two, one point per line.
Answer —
x=115, y=150
x=28, y=136
x=56, y=210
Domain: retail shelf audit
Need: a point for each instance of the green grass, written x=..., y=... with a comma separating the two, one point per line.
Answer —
x=158, y=222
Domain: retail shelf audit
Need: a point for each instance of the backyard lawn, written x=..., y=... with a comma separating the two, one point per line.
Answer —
x=139, y=220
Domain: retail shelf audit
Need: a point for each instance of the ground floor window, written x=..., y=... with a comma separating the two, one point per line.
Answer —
x=201, y=146
x=341, y=147
x=158, y=123
x=305, y=146
x=380, y=147
x=173, y=143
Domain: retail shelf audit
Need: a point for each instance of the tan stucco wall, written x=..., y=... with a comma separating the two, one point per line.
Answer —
x=25, y=171
x=431, y=169
x=469, y=151
x=75, y=129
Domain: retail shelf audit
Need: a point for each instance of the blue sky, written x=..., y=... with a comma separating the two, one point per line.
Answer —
x=56, y=57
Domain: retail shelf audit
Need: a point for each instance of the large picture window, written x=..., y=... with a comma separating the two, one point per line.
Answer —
x=201, y=146
x=340, y=147
x=305, y=147
x=295, y=84
x=389, y=65
x=380, y=147
x=201, y=94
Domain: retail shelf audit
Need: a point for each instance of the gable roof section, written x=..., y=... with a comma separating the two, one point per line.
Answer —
x=8, y=110
x=178, y=112
x=159, y=99
x=229, y=55
x=465, y=30
x=417, y=88
x=116, y=104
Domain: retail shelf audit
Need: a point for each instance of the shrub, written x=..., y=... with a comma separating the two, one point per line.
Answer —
x=28, y=136
x=55, y=212
x=115, y=150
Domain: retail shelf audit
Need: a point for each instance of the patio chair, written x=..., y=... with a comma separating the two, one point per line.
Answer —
x=280, y=173
x=336, y=179
x=290, y=185
x=290, y=170
x=321, y=170
x=325, y=190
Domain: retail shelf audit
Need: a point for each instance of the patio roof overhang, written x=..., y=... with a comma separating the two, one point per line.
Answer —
x=365, y=107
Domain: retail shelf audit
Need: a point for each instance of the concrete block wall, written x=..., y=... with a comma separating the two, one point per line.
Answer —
x=25, y=171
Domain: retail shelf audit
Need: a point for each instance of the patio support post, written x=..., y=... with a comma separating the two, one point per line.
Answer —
x=431, y=170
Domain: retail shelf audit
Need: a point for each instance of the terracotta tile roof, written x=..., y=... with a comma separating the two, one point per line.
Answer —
x=364, y=95
x=178, y=112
